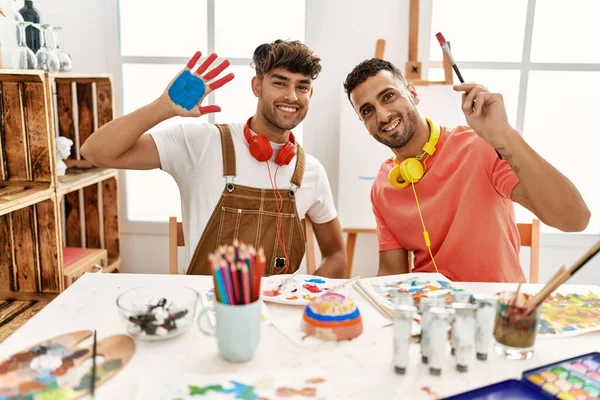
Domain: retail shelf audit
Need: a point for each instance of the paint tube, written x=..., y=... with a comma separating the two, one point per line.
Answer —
x=484, y=324
x=438, y=336
x=458, y=298
x=463, y=334
x=426, y=305
x=403, y=319
x=402, y=298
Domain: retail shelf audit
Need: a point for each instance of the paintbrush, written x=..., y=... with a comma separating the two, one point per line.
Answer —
x=341, y=285
x=286, y=280
x=93, y=383
x=448, y=52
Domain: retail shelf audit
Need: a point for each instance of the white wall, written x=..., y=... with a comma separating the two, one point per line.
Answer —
x=343, y=32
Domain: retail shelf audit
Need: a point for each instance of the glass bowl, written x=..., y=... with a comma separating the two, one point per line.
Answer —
x=157, y=312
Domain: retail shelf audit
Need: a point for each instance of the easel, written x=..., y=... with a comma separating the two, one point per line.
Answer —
x=412, y=73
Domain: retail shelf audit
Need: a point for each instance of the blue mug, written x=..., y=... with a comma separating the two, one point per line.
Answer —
x=237, y=330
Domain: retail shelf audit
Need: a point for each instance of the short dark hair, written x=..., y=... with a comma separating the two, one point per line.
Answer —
x=293, y=56
x=369, y=68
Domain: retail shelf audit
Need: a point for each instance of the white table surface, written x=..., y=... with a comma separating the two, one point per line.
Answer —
x=360, y=369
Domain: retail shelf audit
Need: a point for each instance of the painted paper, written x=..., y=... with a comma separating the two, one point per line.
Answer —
x=570, y=314
x=281, y=384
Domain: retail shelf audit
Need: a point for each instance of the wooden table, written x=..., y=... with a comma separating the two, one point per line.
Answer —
x=360, y=369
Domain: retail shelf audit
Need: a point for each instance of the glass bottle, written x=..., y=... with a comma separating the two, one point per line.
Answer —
x=31, y=14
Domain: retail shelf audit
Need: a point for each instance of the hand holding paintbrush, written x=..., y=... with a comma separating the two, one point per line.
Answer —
x=485, y=111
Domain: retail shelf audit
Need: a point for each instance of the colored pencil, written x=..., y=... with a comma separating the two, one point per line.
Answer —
x=235, y=283
x=237, y=272
x=221, y=285
x=246, y=284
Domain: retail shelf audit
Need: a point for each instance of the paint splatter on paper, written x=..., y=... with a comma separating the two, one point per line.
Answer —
x=312, y=288
x=296, y=290
x=282, y=384
x=418, y=285
x=570, y=314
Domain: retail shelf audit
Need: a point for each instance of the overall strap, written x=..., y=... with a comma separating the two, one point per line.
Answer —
x=228, y=150
x=298, y=171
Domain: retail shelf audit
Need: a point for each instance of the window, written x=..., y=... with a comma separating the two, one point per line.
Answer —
x=549, y=78
x=156, y=44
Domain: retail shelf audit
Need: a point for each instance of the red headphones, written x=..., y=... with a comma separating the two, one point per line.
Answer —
x=261, y=149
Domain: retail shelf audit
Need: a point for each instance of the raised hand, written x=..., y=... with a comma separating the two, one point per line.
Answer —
x=189, y=88
x=485, y=112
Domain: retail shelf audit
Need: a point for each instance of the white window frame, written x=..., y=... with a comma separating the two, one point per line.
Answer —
x=525, y=66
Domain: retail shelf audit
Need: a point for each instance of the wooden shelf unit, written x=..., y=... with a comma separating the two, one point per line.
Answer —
x=40, y=212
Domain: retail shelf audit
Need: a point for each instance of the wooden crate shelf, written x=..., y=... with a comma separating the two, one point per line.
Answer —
x=84, y=103
x=35, y=204
x=13, y=198
x=30, y=260
x=76, y=179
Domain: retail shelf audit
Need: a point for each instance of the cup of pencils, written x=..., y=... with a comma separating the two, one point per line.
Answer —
x=236, y=272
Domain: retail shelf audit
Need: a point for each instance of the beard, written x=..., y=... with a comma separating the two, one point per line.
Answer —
x=278, y=119
x=399, y=138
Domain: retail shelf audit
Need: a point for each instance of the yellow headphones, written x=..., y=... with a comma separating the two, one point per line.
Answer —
x=412, y=169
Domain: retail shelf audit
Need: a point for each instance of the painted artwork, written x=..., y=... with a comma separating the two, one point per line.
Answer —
x=282, y=384
x=59, y=369
x=333, y=317
x=418, y=285
x=207, y=298
x=570, y=314
x=296, y=290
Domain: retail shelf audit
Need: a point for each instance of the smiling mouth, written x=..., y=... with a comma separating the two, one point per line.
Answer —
x=288, y=109
x=390, y=127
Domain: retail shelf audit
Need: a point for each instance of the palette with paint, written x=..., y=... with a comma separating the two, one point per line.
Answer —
x=60, y=368
x=572, y=379
x=297, y=290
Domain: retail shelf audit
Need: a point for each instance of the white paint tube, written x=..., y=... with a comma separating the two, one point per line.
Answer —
x=463, y=333
x=403, y=316
x=458, y=298
x=484, y=324
x=426, y=305
x=438, y=336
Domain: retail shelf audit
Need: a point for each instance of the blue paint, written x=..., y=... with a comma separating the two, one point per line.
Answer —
x=332, y=318
x=315, y=280
x=187, y=90
x=241, y=391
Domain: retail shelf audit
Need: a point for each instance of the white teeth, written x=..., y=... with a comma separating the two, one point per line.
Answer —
x=288, y=109
x=392, y=126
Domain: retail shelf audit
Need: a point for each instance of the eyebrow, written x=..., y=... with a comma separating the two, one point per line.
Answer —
x=379, y=95
x=285, y=78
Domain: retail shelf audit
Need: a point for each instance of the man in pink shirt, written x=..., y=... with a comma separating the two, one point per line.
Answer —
x=465, y=178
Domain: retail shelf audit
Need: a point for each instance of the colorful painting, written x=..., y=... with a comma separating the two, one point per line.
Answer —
x=295, y=290
x=59, y=369
x=288, y=385
x=207, y=298
x=418, y=285
x=570, y=314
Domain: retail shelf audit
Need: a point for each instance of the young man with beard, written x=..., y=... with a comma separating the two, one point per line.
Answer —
x=465, y=180
x=248, y=181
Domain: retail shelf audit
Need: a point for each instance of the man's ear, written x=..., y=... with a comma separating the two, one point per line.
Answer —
x=256, y=86
x=312, y=89
x=413, y=92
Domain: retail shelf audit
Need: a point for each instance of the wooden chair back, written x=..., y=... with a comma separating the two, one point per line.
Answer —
x=176, y=240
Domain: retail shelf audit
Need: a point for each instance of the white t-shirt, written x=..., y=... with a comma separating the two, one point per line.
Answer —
x=192, y=155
